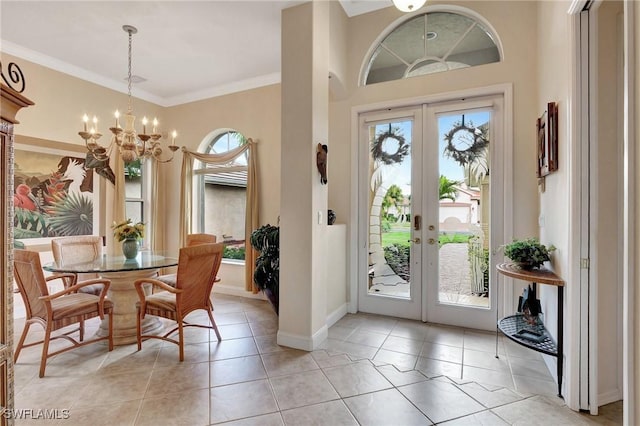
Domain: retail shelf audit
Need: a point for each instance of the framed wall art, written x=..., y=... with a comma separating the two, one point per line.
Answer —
x=547, y=141
x=54, y=194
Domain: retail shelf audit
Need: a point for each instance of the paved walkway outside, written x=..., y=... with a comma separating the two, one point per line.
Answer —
x=455, y=272
x=455, y=278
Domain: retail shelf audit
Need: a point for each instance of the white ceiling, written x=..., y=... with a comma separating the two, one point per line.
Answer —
x=186, y=50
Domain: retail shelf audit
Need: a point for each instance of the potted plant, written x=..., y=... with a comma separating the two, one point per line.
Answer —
x=528, y=253
x=266, y=276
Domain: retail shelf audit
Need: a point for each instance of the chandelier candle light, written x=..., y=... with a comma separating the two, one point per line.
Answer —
x=132, y=145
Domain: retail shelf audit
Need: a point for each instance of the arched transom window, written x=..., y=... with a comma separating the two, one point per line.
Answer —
x=430, y=43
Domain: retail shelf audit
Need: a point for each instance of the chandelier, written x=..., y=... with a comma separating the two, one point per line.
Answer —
x=131, y=144
x=409, y=5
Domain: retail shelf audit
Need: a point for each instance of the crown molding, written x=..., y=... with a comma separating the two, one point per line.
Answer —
x=225, y=89
x=74, y=71
x=83, y=74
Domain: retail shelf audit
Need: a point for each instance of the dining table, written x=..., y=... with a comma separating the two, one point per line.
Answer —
x=122, y=273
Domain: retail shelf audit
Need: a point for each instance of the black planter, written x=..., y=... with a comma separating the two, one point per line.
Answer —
x=273, y=298
x=331, y=217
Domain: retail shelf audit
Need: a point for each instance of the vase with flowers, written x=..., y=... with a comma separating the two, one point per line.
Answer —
x=129, y=234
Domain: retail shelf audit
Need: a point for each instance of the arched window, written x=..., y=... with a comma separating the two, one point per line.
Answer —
x=429, y=43
x=223, y=192
x=226, y=141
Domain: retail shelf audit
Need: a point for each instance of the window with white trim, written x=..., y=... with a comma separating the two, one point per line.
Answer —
x=223, y=194
x=429, y=43
x=136, y=194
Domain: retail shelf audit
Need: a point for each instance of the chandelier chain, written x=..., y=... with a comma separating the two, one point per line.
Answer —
x=129, y=143
x=129, y=109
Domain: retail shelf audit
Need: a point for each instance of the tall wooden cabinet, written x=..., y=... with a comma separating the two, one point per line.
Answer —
x=11, y=103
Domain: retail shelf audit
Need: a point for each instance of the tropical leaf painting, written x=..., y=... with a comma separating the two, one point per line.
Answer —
x=53, y=195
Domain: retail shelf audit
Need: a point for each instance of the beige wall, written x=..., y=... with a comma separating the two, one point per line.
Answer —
x=338, y=51
x=553, y=44
x=254, y=113
x=60, y=102
x=517, y=31
x=560, y=198
x=303, y=237
x=339, y=130
x=336, y=272
x=515, y=24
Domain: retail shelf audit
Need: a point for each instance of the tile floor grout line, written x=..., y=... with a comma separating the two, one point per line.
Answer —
x=458, y=384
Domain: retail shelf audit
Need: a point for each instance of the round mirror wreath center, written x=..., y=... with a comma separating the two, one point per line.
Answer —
x=465, y=143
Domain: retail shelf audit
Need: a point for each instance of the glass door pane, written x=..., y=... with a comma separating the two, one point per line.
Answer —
x=463, y=191
x=389, y=228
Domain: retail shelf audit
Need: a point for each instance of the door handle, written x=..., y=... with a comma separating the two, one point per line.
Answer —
x=414, y=240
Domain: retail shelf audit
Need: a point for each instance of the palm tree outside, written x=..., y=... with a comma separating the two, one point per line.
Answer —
x=393, y=198
x=447, y=190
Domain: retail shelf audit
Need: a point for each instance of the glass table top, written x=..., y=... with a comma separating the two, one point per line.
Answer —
x=117, y=263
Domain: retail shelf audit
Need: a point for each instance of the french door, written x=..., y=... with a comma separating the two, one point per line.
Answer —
x=390, y=200
x=426, y=211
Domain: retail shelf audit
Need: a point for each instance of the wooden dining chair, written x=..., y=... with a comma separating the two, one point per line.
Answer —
x=197, y=269
x=59, y=310
x=192, y=240
x=78, y=249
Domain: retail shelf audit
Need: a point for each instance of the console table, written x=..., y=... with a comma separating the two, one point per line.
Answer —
x=515, y=327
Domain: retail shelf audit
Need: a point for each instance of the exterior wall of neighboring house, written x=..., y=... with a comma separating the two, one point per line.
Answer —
x=464, y=208
x=455, y=212
x=225, y=208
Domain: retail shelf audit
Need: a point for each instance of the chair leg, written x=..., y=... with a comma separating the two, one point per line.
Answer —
x=214, y=325
x=45, y=349
x=81, y=330
x=139, y=328
x=181, y=339
x=25, y=331
x=111, y=330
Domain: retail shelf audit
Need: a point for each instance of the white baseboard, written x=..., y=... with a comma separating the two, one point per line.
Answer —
x=335, y=316
x=286, y=339
x=609, y=396
x=303, y=342
x=236, y=291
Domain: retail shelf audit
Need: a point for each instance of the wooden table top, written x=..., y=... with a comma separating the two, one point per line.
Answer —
x=540, y=276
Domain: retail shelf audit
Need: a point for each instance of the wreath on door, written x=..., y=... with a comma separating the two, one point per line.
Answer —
x=378, y=152
x=465, y=143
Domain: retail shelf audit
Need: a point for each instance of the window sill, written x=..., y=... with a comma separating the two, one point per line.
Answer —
x=233, y=262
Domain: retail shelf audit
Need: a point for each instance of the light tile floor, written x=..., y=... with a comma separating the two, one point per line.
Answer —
x=372, y=370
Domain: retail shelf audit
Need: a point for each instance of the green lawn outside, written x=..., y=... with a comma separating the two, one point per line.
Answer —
x=402, y=238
